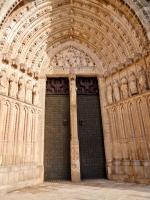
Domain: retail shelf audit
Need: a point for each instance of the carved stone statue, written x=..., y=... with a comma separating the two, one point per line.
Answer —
x=84, y=60
x=28, y=97
x=66, y=62
x=132, y=83
x=13, y=86
x=116, y=90
x=73, y=88
x=109, y=93
x=35, y=95
x=60, y=60
x=4, y=82
x=21, y=89
x=54, y=62
x=124, y=88
x=142, y=79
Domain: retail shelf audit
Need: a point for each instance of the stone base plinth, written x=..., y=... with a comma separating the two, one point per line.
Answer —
x=19, y=176
x=135, y=171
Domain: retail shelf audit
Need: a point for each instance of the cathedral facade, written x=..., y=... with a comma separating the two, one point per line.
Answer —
x=74, y=91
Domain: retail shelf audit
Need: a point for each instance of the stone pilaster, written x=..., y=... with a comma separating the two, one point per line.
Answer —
x=75, y=158
x=106, y=127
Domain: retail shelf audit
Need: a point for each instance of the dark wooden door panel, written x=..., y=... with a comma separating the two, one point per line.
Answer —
x=57, y=137
x=92, y=157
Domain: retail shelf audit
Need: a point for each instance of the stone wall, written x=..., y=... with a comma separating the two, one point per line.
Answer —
x=128, y=97
x=20, y=125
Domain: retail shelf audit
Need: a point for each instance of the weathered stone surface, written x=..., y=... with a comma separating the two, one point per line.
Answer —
x=40, y=39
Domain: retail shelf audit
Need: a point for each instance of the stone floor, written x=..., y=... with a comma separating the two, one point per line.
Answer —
x=91, y=190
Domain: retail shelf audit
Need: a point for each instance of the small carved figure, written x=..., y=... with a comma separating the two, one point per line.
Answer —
x=73, y=91
x=83, y=60
x=60, y=61
x=132, y=83
x=54, y=61
x=35, y=95
x=21, y=89
x=13, y=86
x=67, y=64
x=3, y=82
x=124, y=88
x=109, y=93
x=142, y=79
x=116, y=91
x=28, y=98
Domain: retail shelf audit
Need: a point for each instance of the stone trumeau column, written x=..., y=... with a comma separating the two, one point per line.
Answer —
x=106, y=127
x=75, y=158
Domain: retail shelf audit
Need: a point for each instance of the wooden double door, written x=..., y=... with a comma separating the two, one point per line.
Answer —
x=57, y=130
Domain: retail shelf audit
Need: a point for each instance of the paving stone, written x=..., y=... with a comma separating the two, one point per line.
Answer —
x=86, y=190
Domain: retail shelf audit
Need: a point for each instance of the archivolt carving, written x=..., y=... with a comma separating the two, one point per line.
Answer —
x=28, y=44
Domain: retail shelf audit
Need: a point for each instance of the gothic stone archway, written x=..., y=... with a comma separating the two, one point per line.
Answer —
x=71, y=62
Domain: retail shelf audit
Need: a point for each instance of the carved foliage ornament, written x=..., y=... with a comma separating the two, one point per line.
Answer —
x=72, y=57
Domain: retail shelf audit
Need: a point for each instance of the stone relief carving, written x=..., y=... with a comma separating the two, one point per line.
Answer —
x=124, y=87
x=13, y=86
x=142, y=79
x=21, y=89
x=28, y=97
x=4, y=82
x=72, y=57
x=35, y=95
x=132, y=83
x=116, y=91
x=109, y=93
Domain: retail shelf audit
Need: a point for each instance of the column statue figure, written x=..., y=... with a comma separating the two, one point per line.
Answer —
x=21, y=89
x=109, y=92
x=4, y=82
x=142, y=79
x=13, y=85
x=35, y=95
x=124, y=88
x=28, y=97
x=132, y=83
x=116, y=90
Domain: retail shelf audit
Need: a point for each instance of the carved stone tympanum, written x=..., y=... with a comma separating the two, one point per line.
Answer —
x=4, y=82
x=72, y=57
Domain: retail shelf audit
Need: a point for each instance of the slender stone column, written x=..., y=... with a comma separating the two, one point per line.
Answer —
x=75, y=158
x=106, y=127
